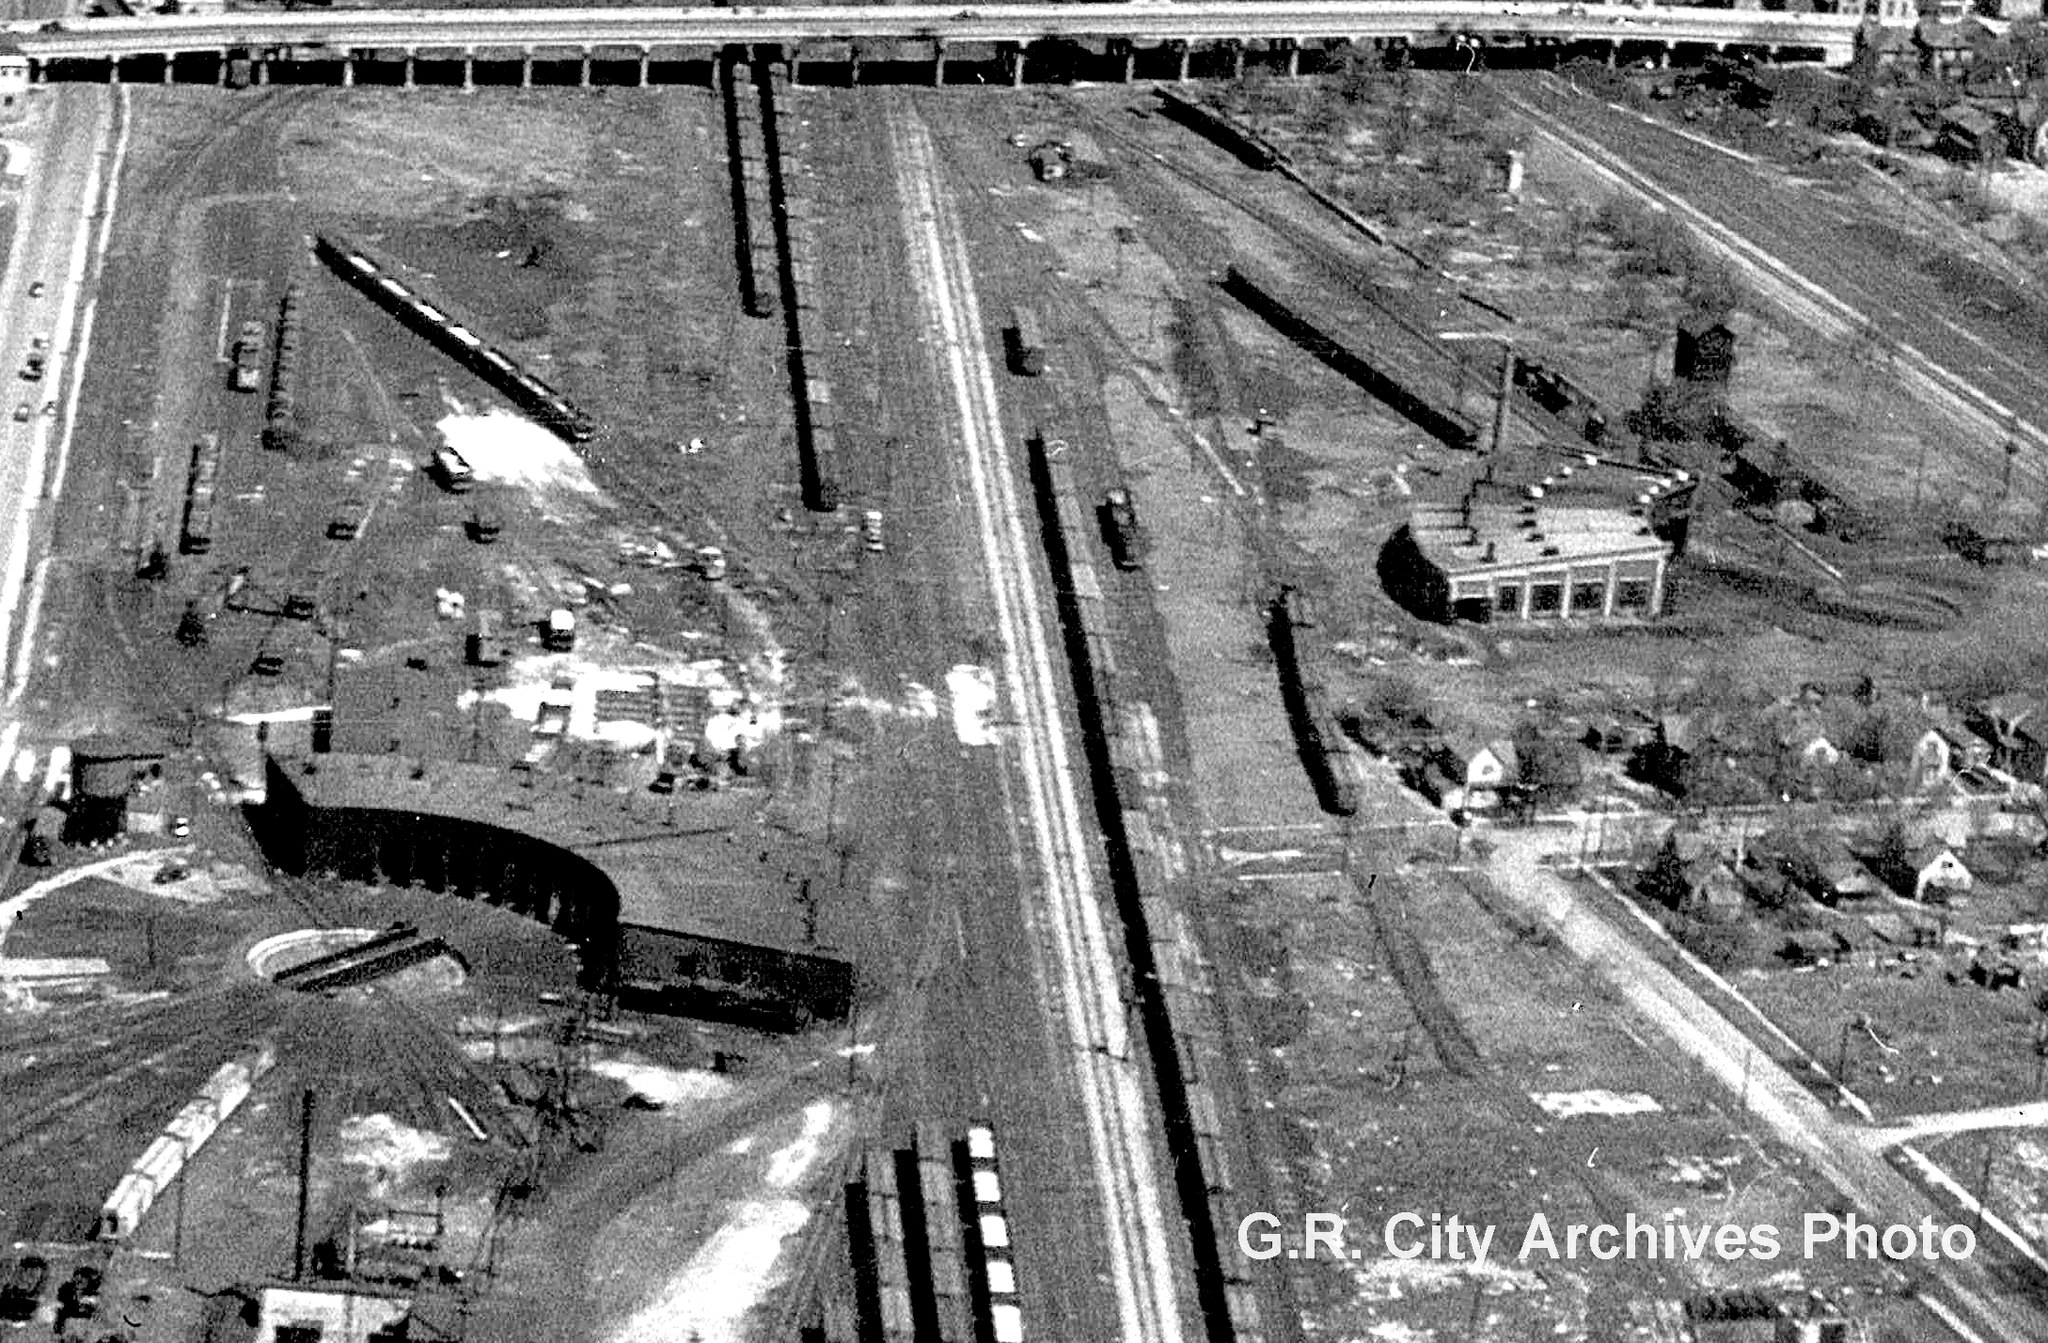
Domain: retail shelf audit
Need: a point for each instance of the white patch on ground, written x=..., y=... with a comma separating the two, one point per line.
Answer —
x=1572, y=1104
x=711, y=1298
x=304, y=713
x=974, y=695
x=388, y=1149
x=918, y=702
x=1393, y=1279
x=531, y=685
x=513, y=450
x=663, y=1086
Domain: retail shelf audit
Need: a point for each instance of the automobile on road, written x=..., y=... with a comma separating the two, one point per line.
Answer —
x=871, y=529
x=22, y=413
x=36, y=289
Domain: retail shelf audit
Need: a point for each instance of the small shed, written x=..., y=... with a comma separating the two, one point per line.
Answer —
x=1937, y=873
x=1706, y=350
x=319, y=1312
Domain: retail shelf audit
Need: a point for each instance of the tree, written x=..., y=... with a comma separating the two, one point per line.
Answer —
x=1550, y=769
x=1664, y=879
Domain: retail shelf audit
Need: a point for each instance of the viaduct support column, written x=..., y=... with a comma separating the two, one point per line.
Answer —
x=938, y=61
x=796, y=64
x=853, y=64
x=583, y=75
x=646, y=60
x=1664, y=57
x=1017, y=68
x=1293, y=58
x=220, y=71
x=1187, y=50
x=262, y=71
x=113, y=69
x=348, y=70
x=526, y=67
x=1130, y=62
x=1237, y=60
x=411, y=57
x=469, y=69
x=170, y=67
x=1613, y=54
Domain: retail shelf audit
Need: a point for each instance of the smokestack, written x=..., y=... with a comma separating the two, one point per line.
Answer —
x=305, y=1185
x=1500, y=409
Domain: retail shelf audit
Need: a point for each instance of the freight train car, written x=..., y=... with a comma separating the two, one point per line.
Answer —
x=164, y=1159
x=1223, y=129
x=196, y=536
x=281, y=415
x=459, y=342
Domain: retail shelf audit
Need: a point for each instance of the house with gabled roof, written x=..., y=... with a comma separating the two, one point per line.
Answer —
x=1712, y=888
x=1933, y=873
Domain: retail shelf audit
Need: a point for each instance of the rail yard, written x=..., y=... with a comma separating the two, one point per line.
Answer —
x=869, y=691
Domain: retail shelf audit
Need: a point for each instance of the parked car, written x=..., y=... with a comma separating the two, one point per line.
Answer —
x=23, y=1293
x=871, y=529
x=35, y=289
x=22, y=413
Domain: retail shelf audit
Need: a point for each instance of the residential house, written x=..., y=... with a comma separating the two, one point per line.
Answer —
x=1949, y=47
x=1478, y=767
x=1818, y=865
x=2017, y=728
x=1808, y=739
x=1933, y=873
x=14, y=73
x=1943, y=748
x=1712, y=888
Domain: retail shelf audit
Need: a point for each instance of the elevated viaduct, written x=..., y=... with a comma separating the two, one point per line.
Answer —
x=1207, y=37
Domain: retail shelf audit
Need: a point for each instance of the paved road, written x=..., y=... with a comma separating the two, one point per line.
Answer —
x=1791, y=1112
x=52, y=230
x=2032, y=1114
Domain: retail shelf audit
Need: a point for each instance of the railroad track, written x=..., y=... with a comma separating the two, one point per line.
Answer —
x=29, y=1130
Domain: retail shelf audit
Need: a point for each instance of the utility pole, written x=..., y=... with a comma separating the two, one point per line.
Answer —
x=305, y=1184
x=1983, y=1188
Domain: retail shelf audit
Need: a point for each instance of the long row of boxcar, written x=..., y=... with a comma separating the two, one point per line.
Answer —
x=1308, y=709
x=1193, y=1132
x=281, y=415
x=355, y=265
x=1223, y=129
x=995, y=1278
x=796, y=251
x=164, y=1159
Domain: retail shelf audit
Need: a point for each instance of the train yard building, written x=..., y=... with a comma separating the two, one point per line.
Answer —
x=1489, y=561
x=668, y=918
x=1589, y=539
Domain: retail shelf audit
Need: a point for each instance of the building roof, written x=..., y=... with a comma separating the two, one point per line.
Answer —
x=1531, y=535
x=2013, y=708
x=1579, y=479
x=1924, y=856
x=705, y=877
x=1938, y=34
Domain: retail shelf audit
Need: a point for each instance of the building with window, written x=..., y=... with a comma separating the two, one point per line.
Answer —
x=1528, y=561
